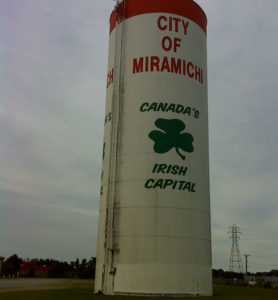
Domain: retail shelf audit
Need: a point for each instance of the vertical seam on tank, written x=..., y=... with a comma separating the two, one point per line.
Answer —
x=115, y=131
x=120, y=95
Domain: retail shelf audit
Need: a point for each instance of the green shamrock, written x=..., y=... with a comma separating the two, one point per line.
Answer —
x=171, y=137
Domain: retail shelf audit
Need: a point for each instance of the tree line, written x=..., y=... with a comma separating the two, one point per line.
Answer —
x=15, y=266
x=220, y=273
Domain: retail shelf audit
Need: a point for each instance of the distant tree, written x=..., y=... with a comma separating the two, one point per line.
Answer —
x=12, y=265
x=91, y=268
x=59, y=270
x=273, y=273
x=87, y=268
x=56, y=269
x=77, y=264
x=218, y=273
x=31, y=272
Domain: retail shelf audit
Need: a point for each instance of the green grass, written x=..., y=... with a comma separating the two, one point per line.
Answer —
x=66, y=294
x=226, y=292
x=221, y=292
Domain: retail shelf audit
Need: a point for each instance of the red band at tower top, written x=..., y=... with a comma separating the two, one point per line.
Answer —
x=185, y=8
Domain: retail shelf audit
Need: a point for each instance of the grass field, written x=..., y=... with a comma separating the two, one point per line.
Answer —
x=85, y=292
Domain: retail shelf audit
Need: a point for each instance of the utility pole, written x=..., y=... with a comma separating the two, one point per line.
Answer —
x=235, y=258
x=246, y=265
x=1, y=264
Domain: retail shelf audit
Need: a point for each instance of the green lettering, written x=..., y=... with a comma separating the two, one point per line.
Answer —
x=196, y=114
x=167, y=183
x=192, y=188
x=162, y=168
x=187, y=111
x=181, y=184
x=142, y=107
x=182, y=171
x=148, y=183
x=159, y=183
x=108, y=117
x=175, y=169
x=179, y=108
x=187, y=186
x=171, y=107
x=169, y=169
x=154, y=168
x=174, y=185
x=162, y=107
x=153, y=106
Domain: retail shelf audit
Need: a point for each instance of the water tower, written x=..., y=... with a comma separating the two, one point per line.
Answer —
x=154, y=234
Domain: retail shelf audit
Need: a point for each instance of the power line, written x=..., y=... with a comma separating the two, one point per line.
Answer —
x=274, y=255
x=274, y=266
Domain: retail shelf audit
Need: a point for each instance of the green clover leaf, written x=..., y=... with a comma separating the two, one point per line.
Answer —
x=171, y=137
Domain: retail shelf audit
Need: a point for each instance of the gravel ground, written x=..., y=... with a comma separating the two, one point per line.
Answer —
x=34, y=283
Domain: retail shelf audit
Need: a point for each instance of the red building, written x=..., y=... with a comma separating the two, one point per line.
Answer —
x=33, y=270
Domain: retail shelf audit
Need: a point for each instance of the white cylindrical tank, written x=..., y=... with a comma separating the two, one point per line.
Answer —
x=154, y=232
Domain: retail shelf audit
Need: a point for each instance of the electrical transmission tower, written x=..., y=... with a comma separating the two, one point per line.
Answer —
x=235, y=258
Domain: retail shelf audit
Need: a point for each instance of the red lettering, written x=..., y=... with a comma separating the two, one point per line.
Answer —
x=146, y=64
x=184, y=67
x=138, y=65
x=166, y=43
x=177, y=44
x=155, y=63
x=190, y=66
x=165, y=65
x=170, y=24
x=110, y=78
x=176, y=24
x=159, y=23
x=175, y=66
x=185, y=26
x=198, y=73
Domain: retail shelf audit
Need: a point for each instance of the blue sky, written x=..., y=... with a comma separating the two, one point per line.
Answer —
x=53, y=60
